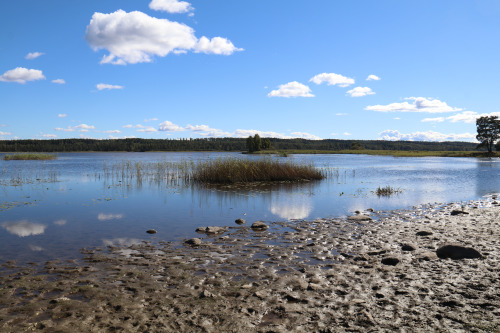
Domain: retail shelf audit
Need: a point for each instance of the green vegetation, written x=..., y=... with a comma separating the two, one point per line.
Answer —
x=232, y=170
x=30, y=157
x=488, y=132
x=387, y=191
x=225, y=144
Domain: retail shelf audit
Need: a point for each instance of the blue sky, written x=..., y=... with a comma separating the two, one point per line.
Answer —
x=395, y=70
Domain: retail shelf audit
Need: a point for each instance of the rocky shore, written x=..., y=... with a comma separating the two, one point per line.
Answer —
x=430, y=269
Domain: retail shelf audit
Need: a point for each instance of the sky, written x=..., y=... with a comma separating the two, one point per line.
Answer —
x=420, y=70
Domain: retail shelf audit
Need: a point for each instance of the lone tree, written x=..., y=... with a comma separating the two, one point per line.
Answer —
x=254, y=143
x=488, y=131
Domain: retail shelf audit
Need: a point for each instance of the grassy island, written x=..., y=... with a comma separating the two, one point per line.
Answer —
x=34, y=156
x=229, y=171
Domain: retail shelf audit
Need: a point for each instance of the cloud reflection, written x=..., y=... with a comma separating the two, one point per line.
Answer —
x=292, y=208
x=36, y=248
x=107, y=217
x=60, y=222
x=24, y=228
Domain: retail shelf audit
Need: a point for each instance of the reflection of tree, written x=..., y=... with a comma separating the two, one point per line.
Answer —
x=24, y=228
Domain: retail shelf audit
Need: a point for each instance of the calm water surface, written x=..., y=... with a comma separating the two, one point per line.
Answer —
x=51, y=209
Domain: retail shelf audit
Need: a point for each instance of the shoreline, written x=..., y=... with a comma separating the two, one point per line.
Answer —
x=375, y=273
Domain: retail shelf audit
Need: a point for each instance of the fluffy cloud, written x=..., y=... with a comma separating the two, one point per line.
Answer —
x=347, y=133
x=205, y=130
x=147, y=129
x=360, y=91
x=24, y=228
x=62, y=115
x=112, y=131
x=49, y=136
x=136, y=37
x=341, y=114
x=5, y=133
x=150, y=119
x=104, y=86
x=168, y=126
x=470, y=116
x=34, y=55
x=433, y=120
x=372, y=77
x=332, y=79
x=419, y=104
x=242, y=133
x=394, y=135
x=59, y=81
x=304, y=135
x=80, y=128
x=291, y=89
x=21, y=75
x=171, y=6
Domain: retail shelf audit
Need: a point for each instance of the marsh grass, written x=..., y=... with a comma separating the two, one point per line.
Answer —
x=233, y=170
x=387, y=191
x=30, y=156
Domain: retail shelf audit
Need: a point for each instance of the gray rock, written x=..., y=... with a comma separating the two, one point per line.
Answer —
x=427, y=256
x=151, y=231
x=206, y=294
x=390, y=261
x=457, y=252
x=240, y=221
x=408, y=247
x=424, y=233
x=211, y=230
x=359, y=218
x=194, y=241
x=259, y=226
x=458, y=212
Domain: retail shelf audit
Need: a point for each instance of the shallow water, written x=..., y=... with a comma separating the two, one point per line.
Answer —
x=51, y=209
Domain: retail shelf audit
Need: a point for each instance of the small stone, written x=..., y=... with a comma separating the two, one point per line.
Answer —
x=391, y=261
x=427, y=256
x=259, y=226
x=206, y=294
x=424, y=233
x=458, y=212
x=240, y=221
x=151, y=231
x=194, y=241
x=247, y=286
x=457, y=252
x=408, y=247
x=359, y=218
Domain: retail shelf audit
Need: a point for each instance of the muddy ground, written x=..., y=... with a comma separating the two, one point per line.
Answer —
x=367, y=274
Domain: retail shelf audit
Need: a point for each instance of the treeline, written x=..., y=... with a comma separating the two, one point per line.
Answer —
x=221, y=144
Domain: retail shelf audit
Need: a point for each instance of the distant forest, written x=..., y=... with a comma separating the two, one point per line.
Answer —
x=221, y=144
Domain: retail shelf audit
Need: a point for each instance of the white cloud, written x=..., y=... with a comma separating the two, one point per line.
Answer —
x=50, y=136
x=168, y=126
x=396, y=118
x=5, y=133
x=216, y=45
x=420, y=104
x=104, y=86
x=433, y=120
x=80, y=128
x=171, y=6
x=112, y=131
x=205, y=130
x=470, y=117
x=136, y=37
x=134, y=126
x=332, y=79
x=291, y=89
x=62, y=115
x=347, y=133
x=372, y=77
x=360, y=92
x=147, y=129
x=151, y=119
x=108, y=217
x=84, y=126
x=242, y=133
x=33, y=55
x=21, y=75
x=341, y=114
x=394, y=135
x=24, y=228
x=59, y=81
x=304, y=135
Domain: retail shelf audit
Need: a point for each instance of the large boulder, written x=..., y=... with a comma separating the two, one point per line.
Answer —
x=259, y=226
x=211, y=230
x=455, y=252
x=359, y=218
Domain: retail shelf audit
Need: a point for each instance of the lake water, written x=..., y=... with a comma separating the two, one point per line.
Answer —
x=51, y=209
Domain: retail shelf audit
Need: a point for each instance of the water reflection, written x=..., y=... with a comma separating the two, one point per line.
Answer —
x=60, y=222
x=108, y=217
x=36, y=248
x=24, y=228
x=291, y=207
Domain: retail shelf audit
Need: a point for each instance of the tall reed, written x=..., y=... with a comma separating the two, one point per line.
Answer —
x=32, y=156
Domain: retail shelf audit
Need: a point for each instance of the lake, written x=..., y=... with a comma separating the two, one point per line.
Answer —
x=52, y=209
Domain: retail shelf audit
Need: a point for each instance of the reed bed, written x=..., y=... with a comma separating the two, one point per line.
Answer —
x=234, y=170
x=31, y=156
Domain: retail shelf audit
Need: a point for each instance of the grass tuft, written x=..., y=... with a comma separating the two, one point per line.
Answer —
x=233, y=170
x=30, y=157
x=387, y=191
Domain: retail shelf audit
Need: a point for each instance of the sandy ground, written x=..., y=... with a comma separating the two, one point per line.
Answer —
x=330, y=275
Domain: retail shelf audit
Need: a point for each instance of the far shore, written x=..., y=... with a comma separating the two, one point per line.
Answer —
x=376, y=271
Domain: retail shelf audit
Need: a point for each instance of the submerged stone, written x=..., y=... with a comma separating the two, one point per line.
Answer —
x=151, y=231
